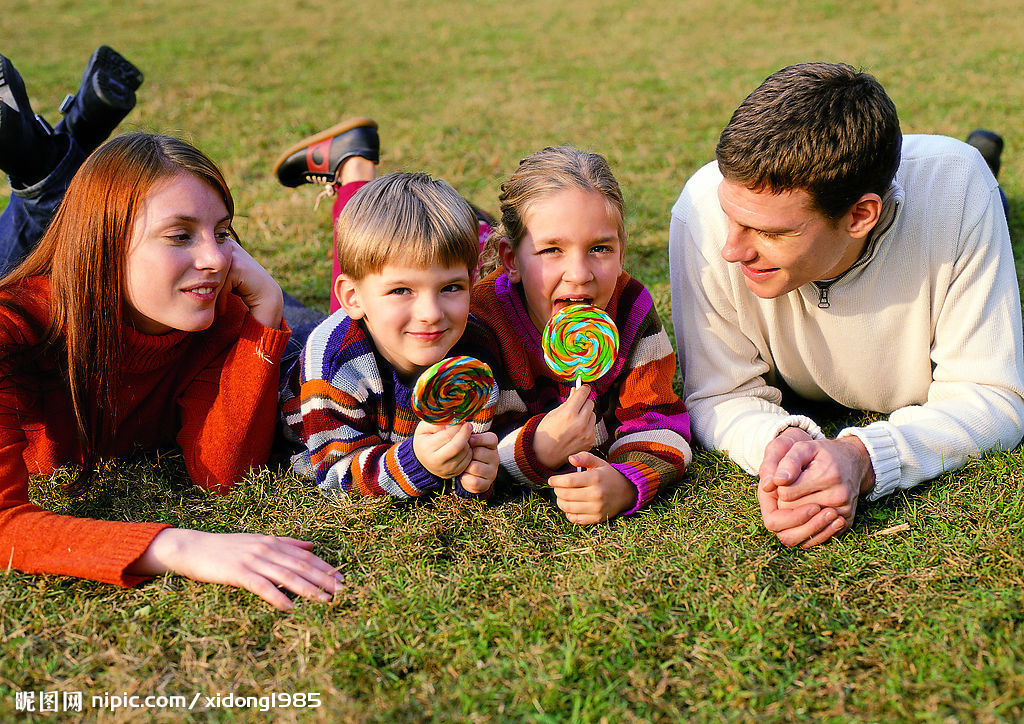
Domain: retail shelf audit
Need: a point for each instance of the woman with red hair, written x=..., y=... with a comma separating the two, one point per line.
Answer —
x=139, y=321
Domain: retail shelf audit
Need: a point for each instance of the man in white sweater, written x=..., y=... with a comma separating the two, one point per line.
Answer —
x=825, y=253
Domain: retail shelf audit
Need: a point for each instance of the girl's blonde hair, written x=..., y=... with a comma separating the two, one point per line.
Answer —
x=541, y=174
x=409, y=219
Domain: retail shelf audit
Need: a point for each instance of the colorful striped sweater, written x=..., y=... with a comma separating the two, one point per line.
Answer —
x=642, y=426
x=348, y=408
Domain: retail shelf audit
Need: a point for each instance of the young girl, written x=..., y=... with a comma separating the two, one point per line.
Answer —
x=560, y=241
x=138, y=321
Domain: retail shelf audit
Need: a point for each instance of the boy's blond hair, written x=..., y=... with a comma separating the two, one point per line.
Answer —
x=407, y=219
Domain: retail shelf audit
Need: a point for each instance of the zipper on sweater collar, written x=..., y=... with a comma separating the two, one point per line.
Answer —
x=823, y=288
x=891, y=205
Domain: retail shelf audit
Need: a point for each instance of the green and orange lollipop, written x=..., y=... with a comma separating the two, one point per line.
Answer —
x=453, y=390
x=580, y=343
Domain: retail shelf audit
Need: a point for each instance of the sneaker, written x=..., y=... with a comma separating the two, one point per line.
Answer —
x=316, y=159
x=104, y=98
x=990, y=145
x=28, y=148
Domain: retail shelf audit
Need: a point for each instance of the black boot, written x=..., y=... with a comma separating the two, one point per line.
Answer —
x=990, y=145
x=29, y=150
x=104, y=98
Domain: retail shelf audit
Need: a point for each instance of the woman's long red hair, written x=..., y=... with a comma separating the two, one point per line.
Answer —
x=84, y=253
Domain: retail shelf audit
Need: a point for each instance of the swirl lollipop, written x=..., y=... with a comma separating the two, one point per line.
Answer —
x=580, y=342
x=453, y=390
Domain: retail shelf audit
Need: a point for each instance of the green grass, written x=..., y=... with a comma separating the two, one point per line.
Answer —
x=458, y=611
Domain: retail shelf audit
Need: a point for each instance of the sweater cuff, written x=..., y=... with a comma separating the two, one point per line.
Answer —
x=799, y=421
x=644, y=491
x=418, y=476
x=270, y=343
x=517, y=456
x=135, y=541
x=461, y=492
x=885, y=456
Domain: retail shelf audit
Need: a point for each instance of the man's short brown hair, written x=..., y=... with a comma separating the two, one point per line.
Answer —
x=822, y=127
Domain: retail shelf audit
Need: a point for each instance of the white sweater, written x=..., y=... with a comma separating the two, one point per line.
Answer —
x=925, y=327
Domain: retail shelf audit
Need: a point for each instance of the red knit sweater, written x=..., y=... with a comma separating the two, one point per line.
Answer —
x=212, y=393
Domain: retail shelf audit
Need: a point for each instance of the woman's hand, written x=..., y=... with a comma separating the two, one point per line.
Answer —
x=257, y=563
x=256, y=287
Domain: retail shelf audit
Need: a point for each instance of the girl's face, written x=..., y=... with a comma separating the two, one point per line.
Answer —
x=178, y=257
x=571, y=252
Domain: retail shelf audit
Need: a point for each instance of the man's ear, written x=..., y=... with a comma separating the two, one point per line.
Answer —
x=508, y=260
x=348, y=297
x=863, y=215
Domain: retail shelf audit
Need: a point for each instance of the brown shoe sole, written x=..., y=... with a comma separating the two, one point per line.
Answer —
x=335, y=130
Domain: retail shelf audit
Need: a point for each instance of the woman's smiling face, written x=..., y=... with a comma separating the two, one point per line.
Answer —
x=178, y=257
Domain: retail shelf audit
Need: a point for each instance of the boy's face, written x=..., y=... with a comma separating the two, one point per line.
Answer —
x=415, y=315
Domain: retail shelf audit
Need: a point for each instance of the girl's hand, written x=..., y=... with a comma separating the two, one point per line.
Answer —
x=443, y=449
x=255, y=286
x=595, y=494
x=479, y=475
x=567, y=429
x=257, y=563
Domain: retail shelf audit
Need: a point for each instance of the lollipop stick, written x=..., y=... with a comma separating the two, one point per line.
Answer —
x=580, y=341
x=579, y=384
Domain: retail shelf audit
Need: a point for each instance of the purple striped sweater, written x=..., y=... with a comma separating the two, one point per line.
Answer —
x=643, y=428
x=353, y=416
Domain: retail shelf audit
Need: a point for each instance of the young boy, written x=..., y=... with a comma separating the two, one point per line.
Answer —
x=405, y=246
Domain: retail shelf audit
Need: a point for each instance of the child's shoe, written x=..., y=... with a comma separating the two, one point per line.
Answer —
x=28, y=148
x=316, y=159
x=104, y=98
x=990, y=145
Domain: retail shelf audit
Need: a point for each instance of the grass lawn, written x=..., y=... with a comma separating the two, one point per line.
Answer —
x=459, y=611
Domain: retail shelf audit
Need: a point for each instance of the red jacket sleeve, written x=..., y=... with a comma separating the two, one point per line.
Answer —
x=229, y=410
x=34, y=540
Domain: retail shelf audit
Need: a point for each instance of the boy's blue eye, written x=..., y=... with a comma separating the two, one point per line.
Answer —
x=603, y=249
x=455, y=287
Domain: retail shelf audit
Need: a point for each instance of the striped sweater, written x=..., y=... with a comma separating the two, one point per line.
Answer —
x=642, y=426
x=348, y=408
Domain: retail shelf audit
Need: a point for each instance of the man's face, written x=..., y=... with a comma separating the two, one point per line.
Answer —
x=781, y=242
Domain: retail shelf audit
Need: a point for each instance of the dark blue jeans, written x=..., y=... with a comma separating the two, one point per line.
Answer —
x=30, y=210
